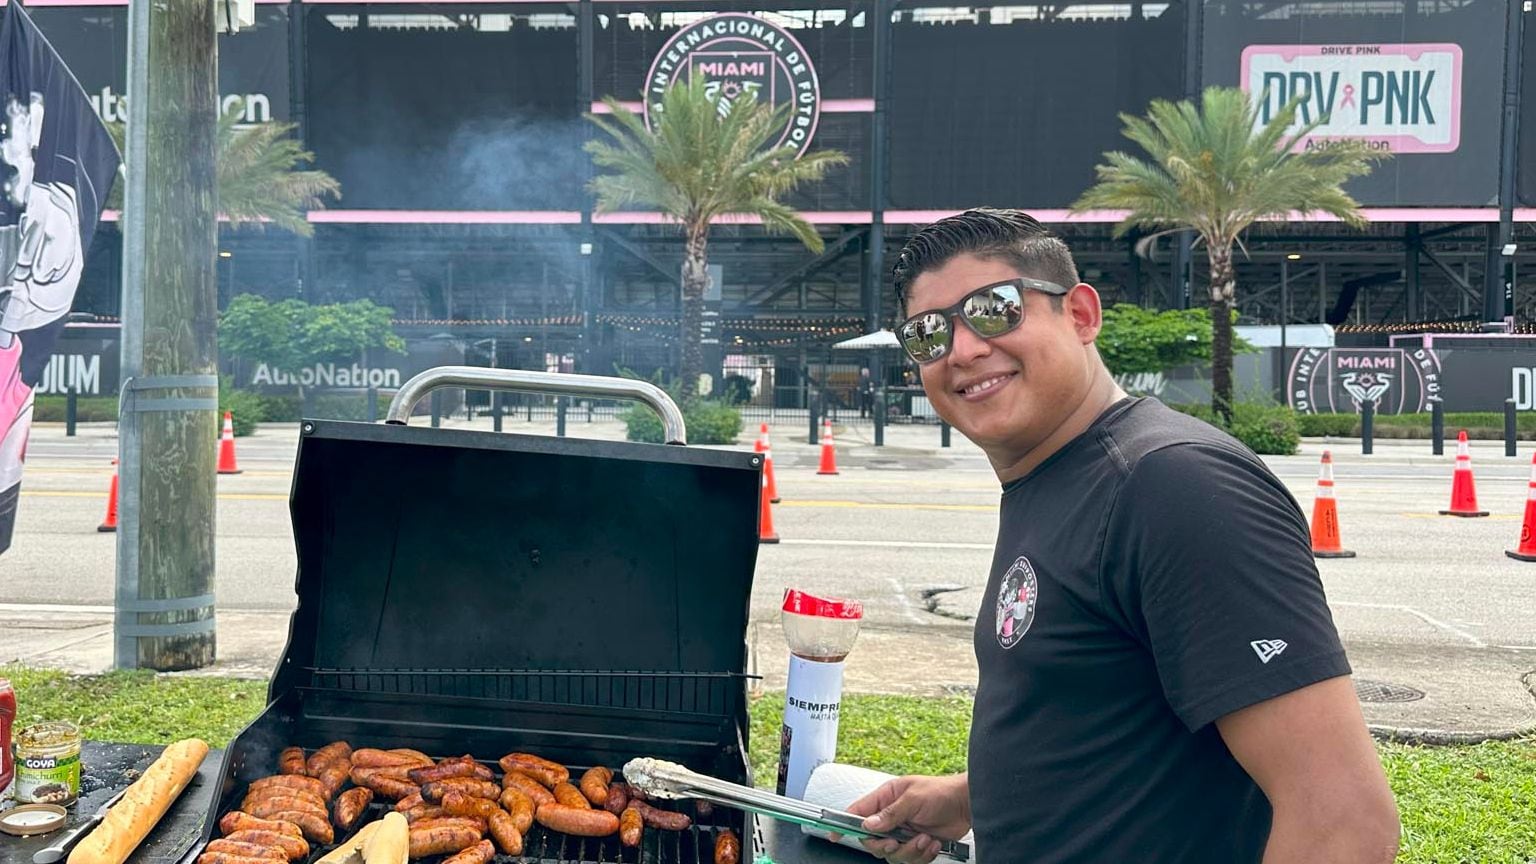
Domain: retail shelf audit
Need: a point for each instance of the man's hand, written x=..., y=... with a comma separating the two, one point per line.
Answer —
x=932, y=806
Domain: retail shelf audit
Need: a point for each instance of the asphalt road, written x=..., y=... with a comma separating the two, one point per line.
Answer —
x=908, y=529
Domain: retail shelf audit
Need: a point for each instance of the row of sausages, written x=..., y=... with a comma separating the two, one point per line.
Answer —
x=281, y=815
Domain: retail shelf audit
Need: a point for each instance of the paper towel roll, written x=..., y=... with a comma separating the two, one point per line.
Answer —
x=836, y=786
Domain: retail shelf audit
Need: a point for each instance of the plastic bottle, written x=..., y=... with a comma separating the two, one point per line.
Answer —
x=820, y=633
x=7, y=718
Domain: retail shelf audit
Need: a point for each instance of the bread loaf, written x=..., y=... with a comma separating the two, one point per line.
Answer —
x=142, y=806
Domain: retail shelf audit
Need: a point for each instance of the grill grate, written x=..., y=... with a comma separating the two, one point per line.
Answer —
x=689, y=692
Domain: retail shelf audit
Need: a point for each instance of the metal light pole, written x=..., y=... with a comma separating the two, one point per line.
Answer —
x=168, y=427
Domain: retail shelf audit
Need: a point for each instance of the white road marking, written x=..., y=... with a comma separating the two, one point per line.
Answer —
x=1426, y=618
x=907, y=544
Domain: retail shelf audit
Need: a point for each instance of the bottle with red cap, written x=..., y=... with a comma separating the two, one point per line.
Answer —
x=820, y=632
x=7, y=719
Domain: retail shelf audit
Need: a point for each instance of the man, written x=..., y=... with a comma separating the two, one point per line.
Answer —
x=1160, y=677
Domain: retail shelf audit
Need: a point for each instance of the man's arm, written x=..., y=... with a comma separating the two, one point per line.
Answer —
x=1311, y=754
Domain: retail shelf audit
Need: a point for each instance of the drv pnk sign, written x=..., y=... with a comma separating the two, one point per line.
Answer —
x=1401, y=98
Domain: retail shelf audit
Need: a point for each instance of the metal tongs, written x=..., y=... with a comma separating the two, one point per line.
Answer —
x=662, y=779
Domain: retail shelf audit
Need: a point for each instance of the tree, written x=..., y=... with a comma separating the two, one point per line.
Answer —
x=1135, y=339
x=1213, y=169
x=704, y=160
x=291, y=335
x=258, y=175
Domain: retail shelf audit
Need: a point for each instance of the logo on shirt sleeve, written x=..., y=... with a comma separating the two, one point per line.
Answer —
x=1267, y=649
x=1016, y=603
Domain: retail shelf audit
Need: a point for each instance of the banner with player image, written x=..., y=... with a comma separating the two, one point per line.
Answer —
x=58, y=165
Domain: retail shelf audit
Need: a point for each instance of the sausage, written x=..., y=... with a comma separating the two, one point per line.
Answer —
x=424, y=811
x=459, y=804
x=520, y=806
x=310, y=799
x=594, y=785
x=249, y=850
x=268, y=808
x=440, y=840
x=391, y=772
x=631, y=827
x=618, y=798
x=335, y=775
x=236, y=820
x=416, y=756
x=505, y=832
x=319, y=759
x=546, y=772
x=351, y=806
x=582, y=823
x=291, y=781
x=390, y=787
x=459, y=766
x=371, y=758
x=470, y=822
x=570, y=796
x=528, y=786
x=294, y=848
x=435, y=790
x=412, y=800
x=291, y=761
x=480, y=853
x=227, y=858
x=657, y=818
x=727, y=848
x=316, y=828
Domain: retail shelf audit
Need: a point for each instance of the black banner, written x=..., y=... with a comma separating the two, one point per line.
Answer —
x=1403, y=379
x=253, y=64
x=1018, y=114
x=59, y=166
x=1422, y=84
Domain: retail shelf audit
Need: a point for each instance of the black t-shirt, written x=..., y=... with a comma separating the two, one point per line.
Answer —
x=1150, y=577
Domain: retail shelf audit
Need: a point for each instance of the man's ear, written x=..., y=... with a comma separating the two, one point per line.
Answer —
x=1082, y=303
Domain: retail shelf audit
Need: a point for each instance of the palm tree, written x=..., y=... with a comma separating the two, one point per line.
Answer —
x=1213, y=171
x=259, y=180
x=705, y=159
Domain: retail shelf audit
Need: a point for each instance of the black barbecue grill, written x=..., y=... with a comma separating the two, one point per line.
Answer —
x=483, y=593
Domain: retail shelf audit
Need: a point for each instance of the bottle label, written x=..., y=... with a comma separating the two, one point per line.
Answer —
x=812, y=700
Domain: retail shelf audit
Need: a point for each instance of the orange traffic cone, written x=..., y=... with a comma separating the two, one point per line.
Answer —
x=227, y=446
x=1325, y=516
x=1463, y=490
x=828, y=450
x=773, y=485
x=1527, y=550
x=109, y=524
x=762, y=433
x=765, y=532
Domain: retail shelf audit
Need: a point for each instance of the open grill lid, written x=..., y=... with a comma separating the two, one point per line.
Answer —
x=428, y=548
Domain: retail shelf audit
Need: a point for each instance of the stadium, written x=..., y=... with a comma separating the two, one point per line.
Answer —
x=455, y=130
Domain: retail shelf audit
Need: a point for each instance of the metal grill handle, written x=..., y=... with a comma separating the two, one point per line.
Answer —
x=552, y=383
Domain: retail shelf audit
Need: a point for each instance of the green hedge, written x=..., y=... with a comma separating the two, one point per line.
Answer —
x=1269, y=430
x=707, y=422
x=332, y=406
x=88, y=409
x=1486, y=425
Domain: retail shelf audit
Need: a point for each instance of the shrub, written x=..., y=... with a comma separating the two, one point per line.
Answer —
x=1269, y=430
x=245, y=407
x=708, y=423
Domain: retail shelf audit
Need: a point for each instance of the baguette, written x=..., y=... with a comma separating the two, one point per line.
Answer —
x=390, y=844
x=351, y=851
x=142, y=806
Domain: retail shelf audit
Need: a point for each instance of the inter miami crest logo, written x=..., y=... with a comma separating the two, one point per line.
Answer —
x=1016, y=603
x=1391, y=380
x=742, y=57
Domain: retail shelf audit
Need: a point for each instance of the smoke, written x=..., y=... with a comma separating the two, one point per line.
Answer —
x=519, y=164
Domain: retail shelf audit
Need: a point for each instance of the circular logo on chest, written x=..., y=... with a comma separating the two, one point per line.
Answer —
x=1016, y=603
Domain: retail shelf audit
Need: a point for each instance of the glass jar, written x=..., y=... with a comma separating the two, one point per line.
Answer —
x=48, y=763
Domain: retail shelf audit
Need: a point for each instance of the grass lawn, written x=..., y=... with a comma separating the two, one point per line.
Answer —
x=1459, y=805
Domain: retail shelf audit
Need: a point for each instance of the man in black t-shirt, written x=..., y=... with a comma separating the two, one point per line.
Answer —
x=1160, y=677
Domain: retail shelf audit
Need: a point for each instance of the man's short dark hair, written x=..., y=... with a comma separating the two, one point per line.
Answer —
x=1011, y=235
